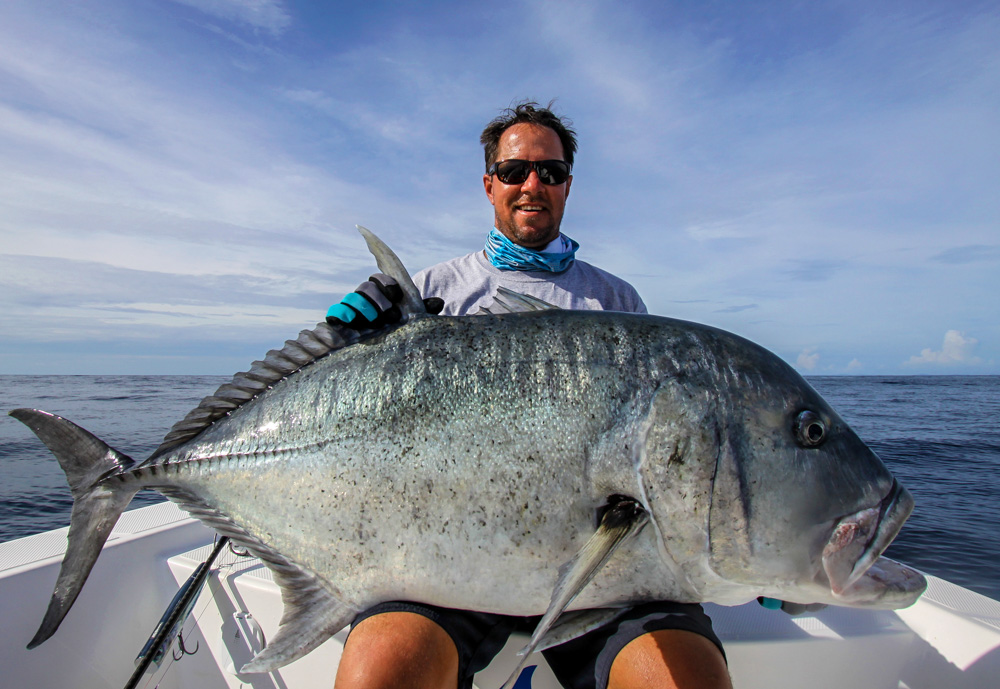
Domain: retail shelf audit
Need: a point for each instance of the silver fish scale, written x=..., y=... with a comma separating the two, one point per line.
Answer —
x=461, y=461
x=381, y=466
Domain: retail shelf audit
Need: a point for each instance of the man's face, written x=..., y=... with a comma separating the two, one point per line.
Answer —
x=529, y=213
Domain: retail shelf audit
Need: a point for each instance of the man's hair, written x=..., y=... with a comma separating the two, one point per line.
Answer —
x=527, y=112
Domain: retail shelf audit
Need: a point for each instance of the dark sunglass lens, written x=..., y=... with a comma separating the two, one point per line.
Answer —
x=513, y=171
x=552, y=171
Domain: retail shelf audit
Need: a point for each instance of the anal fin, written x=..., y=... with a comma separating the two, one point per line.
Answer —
x=312, y=610
x=621, y=520
x=312, y=615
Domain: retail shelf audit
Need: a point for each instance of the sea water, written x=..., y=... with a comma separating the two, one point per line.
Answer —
x=940, y=436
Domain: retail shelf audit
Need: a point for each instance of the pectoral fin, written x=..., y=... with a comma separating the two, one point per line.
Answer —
x=575, y=623
x=623, y=518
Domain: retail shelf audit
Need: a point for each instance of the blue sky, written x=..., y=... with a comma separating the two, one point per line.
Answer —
x=180, y=179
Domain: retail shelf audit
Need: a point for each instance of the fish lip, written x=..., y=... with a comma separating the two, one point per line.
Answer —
x=885, y=523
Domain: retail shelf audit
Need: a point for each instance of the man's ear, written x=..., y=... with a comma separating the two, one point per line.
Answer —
x=488, y=186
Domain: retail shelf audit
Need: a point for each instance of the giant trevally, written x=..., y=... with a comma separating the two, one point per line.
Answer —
x=539, y=461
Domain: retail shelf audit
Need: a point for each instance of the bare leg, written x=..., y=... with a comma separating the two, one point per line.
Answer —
x=398, y=649
x=671, y=659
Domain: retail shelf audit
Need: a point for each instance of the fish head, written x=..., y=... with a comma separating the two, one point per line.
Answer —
x=791, y=502
x=801, y=503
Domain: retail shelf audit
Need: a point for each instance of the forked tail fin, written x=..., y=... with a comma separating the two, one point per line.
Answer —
x=97, y=505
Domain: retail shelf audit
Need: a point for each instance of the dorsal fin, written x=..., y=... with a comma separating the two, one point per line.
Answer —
x=390, y=264
x=509, y=301
x=281, y=363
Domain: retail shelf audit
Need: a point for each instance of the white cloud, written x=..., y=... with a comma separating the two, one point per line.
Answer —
x=956, y=349
x=749, y=171
x=808, y=358
x=269, y=15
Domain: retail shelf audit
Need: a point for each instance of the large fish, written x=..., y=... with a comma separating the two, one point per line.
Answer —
x=520, y=463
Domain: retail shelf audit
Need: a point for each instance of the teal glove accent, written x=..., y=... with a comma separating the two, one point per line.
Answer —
x=363, y=306
x=374, y=304
x=770, y=603
x=341, y=312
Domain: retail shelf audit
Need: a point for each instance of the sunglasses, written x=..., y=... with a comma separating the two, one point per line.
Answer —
x=516, y=171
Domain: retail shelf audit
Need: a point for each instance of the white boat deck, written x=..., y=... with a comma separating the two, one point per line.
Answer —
x=949, y=640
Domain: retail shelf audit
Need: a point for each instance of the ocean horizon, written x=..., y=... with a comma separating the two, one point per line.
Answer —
x=937, y=433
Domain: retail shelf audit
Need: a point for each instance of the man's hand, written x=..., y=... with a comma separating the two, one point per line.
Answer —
x=373, y=304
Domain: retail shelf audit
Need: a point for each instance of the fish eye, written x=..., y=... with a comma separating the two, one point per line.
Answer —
x=810, y=431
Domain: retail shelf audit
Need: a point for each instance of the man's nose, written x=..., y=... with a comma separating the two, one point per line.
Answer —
x=532, y=181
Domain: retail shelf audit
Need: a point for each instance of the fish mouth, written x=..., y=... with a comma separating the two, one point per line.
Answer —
x=860, y=538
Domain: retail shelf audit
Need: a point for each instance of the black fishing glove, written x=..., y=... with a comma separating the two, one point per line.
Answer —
x=790, y=608
x=373, y=304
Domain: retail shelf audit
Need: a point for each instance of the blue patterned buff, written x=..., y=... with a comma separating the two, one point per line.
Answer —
x=506, y=255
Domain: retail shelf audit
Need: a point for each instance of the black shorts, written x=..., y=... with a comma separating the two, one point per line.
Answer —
x=581, y=663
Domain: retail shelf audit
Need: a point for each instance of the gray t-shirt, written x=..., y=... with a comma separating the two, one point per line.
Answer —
x=469, y=282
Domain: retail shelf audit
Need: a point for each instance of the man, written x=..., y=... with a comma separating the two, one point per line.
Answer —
x=529, y=156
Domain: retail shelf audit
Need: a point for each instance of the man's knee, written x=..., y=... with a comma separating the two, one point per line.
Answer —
x=395, y=649
x=671, y=658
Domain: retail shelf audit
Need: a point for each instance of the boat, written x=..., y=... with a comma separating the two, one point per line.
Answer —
x=949, y=639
